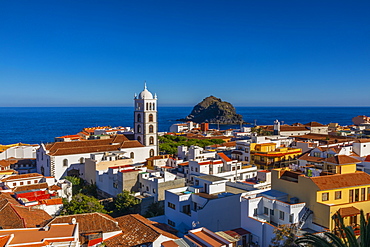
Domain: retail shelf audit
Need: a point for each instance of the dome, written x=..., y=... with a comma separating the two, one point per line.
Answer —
x=145, y=94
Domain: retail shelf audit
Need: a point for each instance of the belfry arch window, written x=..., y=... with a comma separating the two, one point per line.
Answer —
x=151, y=129
x=151, y=140
x=82, y=160
x=153, y=106
x=65, y=162
x=132, y=155
x=150, y=117
x=139, y=117
x=139, y=128
x=147, y=106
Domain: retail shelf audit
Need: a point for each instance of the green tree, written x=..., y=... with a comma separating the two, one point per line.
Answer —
x=345, y=236
x=285, y=235
x=81, y=204
x=155, y=209
x=77, y=184
x=125, y=203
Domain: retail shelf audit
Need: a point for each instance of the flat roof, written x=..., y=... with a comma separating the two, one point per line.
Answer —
x=212, y=178
x=273, y=194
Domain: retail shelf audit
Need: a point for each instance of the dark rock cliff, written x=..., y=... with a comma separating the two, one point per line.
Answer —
x=214, y=110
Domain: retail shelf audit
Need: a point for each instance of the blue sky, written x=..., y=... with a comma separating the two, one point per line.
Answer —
x=250, y=53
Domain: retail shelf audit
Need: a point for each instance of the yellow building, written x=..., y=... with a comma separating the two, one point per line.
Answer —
x=267, y=156
x=348, y=192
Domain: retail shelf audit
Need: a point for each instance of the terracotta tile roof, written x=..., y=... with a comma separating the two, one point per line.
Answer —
x=348, y=211
x=39, y=186
x=314, y=124
x=337, y=181
x=224, y=157
x=7, y=162
x=169, y=243
x=4, y=240
x=89, y=223
x=137, y=230
x=363, y=140
x=367, y=159
x=287, y=128
x=16, y=216
x=23, y=176
x=342, y=159
x=54, y=187
x=55, y=201
x=311, y=158
x=91, y=146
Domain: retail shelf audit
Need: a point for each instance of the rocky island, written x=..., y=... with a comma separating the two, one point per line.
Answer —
x=214, y=110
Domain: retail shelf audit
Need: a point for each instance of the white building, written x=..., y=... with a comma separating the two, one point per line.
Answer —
x=203, y=205
x=18, y=151
x=59, y=159
x=183, y=127
x=154, y=183
x=145, y=121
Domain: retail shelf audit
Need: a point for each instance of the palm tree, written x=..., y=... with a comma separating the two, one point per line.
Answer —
x=345, y=237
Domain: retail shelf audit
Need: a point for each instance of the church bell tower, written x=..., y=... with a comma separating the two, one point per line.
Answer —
x=145, y=120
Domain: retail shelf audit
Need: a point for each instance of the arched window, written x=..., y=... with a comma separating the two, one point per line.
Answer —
x=139, y=117
x=153, y=106
x=65, y=162
x=151, y=129
x=132, y=155
x=139, y=139
x=151, y=140
x=150, y=117
x=150, y=106
x=151, y=152
x=139, y=128
x=42, y=170
x=147, y=106
x=82, y=160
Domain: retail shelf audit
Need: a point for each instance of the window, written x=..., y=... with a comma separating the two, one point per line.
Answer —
x=271, y=212
x=192, y=168
x=28, y=182
x=138, y=117
x=139, y=129
x=171, y=223
x=265, y=211
x=21, y=183
x=338, y=195
x=281, y=215
x=147, y=188
x=150, y=117
x=147, y=106
x=357, y=195
x=153, y=191
x=325, y=196
x=65, y=162
x=350, y=195
x=255, y=212
x=151, y=140
x=151, y=152
x=363, y=194
x=291, y=218
x=115, y=185
x=353, y=219
x=82, y=160
x=197, y=182
x=139, y=139
x=171, y=205
x=151, y=129
x=132, y=155
x=14, y=184
x=196, y=169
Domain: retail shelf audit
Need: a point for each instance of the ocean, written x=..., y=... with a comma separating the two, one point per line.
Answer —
x=34, y=125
